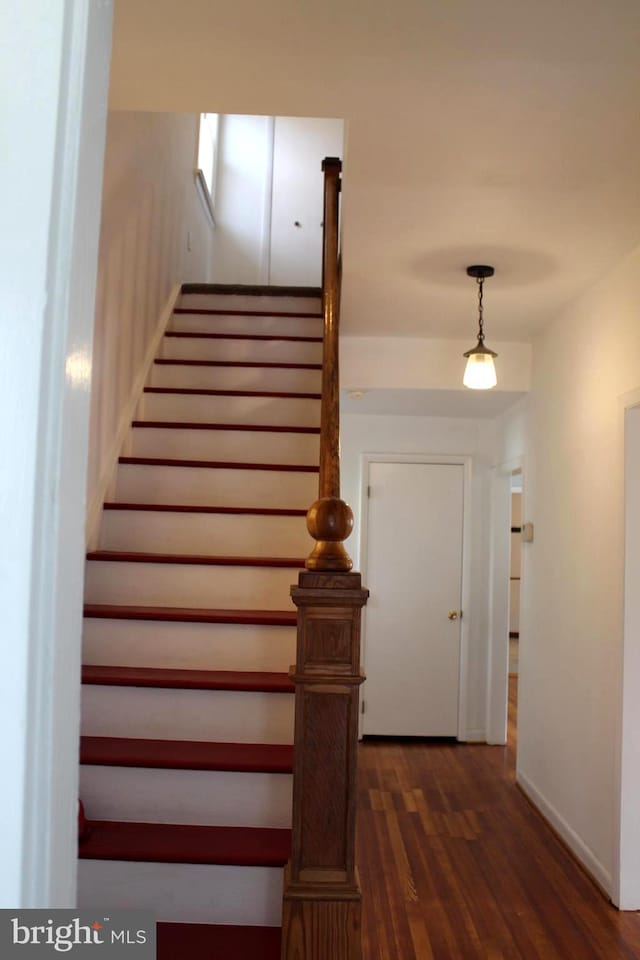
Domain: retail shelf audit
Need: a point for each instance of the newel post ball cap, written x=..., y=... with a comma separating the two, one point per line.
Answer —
x=330, y=519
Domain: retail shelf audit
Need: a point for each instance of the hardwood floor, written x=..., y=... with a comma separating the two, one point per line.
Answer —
x=455, y=863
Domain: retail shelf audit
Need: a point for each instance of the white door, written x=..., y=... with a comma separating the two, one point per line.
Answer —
x=300, y=146
x=414, y=574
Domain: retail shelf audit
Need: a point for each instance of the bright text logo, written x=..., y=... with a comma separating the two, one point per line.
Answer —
x=29, y=934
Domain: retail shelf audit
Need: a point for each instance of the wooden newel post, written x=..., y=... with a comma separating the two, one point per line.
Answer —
x=321, y=902
x=321, y=919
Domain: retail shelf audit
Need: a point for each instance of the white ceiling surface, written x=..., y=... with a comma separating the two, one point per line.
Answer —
x=504, y=132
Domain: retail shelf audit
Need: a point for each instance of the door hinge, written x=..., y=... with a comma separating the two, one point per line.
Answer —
x=368, y=491
x=362, y=707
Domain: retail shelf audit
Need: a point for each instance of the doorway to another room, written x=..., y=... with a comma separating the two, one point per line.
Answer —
x=515, y=583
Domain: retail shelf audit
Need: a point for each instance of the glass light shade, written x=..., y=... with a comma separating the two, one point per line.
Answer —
x=480, y=372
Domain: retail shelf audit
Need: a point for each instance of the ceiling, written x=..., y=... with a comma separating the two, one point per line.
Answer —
x=506, y=132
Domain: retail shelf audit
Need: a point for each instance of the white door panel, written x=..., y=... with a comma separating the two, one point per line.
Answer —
x=300, y=145
x=414, y=573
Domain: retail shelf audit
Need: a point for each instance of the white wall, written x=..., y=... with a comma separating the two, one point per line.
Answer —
x=572, y=600
x=150, y=209
x=54, y=65
x=433, y=435
x=512, y=433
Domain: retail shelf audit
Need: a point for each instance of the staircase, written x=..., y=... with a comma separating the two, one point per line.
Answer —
x=186, y=753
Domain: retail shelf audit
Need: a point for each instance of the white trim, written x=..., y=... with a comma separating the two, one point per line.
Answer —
x=498, y=634
x=127, y=413
x=61, y=386
x=578, y=847
x=626, y=890
x=474, y=735
x=465, y=461
x=205, y=197
x=267, y=210
x=629, y=400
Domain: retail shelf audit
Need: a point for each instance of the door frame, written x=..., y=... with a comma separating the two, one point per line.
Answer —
x=465, y=462
x=58, y=201
x=626, y=874
x=498, y=647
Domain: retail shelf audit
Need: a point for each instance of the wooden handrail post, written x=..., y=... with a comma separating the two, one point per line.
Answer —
x=330, y=520
x=322, y=901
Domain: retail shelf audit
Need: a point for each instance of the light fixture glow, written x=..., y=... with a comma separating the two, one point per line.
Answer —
x=480, y=372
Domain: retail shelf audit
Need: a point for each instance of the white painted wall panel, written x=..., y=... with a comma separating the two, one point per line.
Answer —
x=149, y=205
x=571, y=647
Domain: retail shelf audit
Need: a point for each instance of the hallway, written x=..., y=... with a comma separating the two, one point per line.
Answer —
x=455, y=864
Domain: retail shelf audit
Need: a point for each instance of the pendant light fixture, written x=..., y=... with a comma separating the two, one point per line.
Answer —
x=480, y=372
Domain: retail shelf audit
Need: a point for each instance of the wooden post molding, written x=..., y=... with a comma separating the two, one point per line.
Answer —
x=322, y=901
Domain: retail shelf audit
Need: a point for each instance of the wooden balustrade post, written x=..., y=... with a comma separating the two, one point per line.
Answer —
x=329, y=519
x=322, y=901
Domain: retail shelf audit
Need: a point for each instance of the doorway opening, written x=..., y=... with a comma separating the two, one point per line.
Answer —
x=515, y=582
x=505, y=651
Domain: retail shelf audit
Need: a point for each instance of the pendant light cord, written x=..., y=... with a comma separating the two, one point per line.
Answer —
x=480, y=282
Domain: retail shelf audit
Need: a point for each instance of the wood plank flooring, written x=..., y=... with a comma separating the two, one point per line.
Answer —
x=455, y=863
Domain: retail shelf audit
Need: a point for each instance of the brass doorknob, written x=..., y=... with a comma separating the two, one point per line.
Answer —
x=453, y=614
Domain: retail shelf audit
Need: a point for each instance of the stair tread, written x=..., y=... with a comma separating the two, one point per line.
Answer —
x=128, y=556
x=220, y=464
x=252, y=290
x=203, y=941
x=284, y=618
x=219, y=312
x=187, y=754
x=190, y=508
x=201, y=392
x=196, y=335
x=180, y=843
x=241, y=427
x=267, y=364
x=170, y=678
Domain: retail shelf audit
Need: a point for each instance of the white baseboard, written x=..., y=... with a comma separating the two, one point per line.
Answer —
x=107, y=476
x=478, y=735
x=575, y=843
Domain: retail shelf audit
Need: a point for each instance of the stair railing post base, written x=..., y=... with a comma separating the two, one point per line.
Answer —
x=317, y=925
x=322, y=902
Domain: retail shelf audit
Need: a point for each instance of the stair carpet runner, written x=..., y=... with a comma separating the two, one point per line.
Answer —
x=187, y=723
